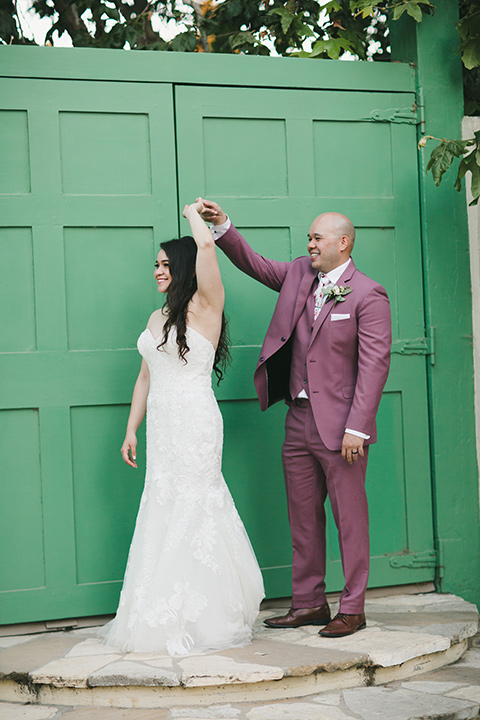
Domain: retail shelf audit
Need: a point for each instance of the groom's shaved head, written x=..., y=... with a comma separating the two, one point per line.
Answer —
x=340, y=224
x=330, y=241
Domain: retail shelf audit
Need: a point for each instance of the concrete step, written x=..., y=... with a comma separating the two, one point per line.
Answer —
x=406, y=636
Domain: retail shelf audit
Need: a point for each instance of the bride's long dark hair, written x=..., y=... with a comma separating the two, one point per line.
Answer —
x=182, y=255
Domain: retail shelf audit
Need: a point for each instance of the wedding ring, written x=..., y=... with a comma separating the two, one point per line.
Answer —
x=354, y=452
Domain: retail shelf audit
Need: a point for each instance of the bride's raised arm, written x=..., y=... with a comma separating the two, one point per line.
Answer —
x=209, y=281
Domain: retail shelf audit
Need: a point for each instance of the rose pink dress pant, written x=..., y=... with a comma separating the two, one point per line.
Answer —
x=311, y=472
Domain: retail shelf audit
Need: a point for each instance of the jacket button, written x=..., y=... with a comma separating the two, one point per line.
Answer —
x=262, y=359
x=284, y=339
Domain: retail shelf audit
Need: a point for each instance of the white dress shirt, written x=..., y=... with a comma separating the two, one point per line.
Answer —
x=219, y=230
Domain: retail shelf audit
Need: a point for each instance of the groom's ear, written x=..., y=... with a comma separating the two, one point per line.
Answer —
x=344, y=242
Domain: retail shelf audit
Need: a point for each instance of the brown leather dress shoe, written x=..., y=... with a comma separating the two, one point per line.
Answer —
x=301, y=616
x=343, y=624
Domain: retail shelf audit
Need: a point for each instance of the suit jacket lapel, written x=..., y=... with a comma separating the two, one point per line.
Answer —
x=328, y=306
x=302, y=295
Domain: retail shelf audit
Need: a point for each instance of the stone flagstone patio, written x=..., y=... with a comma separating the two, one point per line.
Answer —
x=406, y=637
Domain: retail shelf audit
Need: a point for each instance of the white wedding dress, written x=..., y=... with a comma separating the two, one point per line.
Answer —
x=192, y=582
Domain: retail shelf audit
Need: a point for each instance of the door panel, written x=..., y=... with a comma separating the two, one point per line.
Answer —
x=92, y=193
x=116, y=258
x=248, y=470
x=17, y=290
x=274, y=159
x=107, y=523
x=23, y=565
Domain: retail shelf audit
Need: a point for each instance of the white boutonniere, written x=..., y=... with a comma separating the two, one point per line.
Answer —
x=336, y=293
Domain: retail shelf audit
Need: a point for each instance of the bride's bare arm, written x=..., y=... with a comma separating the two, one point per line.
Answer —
x=210, y=287
x=137, y=413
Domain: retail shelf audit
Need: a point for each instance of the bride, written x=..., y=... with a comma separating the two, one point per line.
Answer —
x=192, y=582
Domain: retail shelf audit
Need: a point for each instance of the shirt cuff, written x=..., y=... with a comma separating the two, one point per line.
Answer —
x=219, y=230
x=357, y=433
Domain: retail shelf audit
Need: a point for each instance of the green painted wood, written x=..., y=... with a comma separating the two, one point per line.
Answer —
x=81, y=219
x=274, y=159
x=58, y=504
x=23, y=566
x=107, y=523
x=448, y=306
x=202, y=69
x=17, y=290
x=14, y=134
x=253, y=471
x=93, y=194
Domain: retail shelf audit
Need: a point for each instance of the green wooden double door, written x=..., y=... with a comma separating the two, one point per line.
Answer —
x=93, y=177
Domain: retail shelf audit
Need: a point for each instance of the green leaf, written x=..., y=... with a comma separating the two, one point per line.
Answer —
x=462, y=169
x=332, y=6
x=469, y=25
x=470, y=51
x=131, y=35
x=306, y=31
x=414, y=11
x=286, y=21
x=286, y=17
x=365, y=8
x=300, y=29
x=318, y=49
x=398, y=11
x=427, y=6
x=300, y=53
x=112, y=13
x=184, y=42
x=247, y=42
x=475, y=185
x=469, y=164
x=477, y=143
x=42, y=8
x=242, y=38
x=368, y=11
x=333, y=47
x=443, y=155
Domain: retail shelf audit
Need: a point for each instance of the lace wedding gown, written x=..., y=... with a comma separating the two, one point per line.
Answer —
x=192, y=582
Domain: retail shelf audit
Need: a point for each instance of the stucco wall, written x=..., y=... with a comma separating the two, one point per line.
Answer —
x=471, y=125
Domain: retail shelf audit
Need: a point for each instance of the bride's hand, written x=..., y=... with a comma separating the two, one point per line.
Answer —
x=197, y=207
x=129, y=449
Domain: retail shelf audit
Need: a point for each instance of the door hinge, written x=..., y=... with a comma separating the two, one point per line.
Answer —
x=431, y=344
x=420, y=105
x=417, y=346
x=406, y=115
x=427, y=559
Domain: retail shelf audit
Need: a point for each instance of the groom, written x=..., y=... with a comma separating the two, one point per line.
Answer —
x=327, y=354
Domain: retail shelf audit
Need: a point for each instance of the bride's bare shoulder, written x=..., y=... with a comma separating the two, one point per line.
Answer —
x=156, y=321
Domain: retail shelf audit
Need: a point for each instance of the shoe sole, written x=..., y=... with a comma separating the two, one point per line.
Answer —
x=329, y=635
x=313, y=622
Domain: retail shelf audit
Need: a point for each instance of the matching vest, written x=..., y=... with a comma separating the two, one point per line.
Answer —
x=300, y=342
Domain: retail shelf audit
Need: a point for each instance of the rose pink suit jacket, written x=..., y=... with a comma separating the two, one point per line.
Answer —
x=347, y=359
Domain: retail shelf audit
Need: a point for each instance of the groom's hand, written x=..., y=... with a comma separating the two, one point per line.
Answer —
x=212, y=212
x=352, y=448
